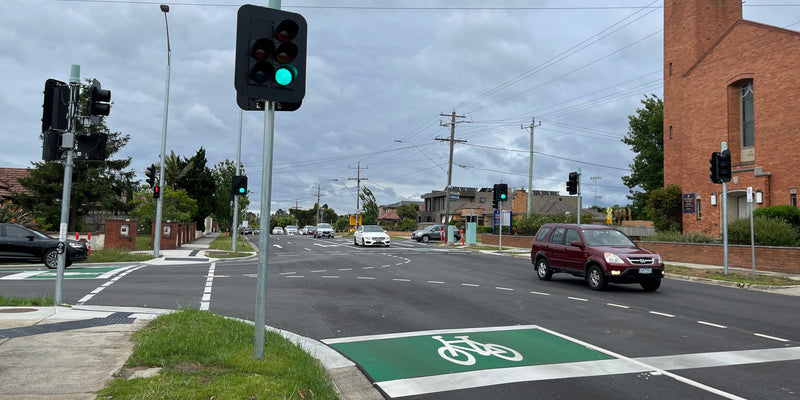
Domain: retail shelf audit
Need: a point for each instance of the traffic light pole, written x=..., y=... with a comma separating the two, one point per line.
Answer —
x=263, y=239
x=160, y=200
x=236, y=198
x=725, y=218
x=580, y=202
x=68, y=139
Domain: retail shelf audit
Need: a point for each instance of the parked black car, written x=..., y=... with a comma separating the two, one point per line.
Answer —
x=18, y=243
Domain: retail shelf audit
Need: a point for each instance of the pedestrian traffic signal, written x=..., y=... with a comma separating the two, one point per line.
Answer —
x=572, y=183
x=724, y=165
x=270, y=58
x=99, y=100
x=239, y=185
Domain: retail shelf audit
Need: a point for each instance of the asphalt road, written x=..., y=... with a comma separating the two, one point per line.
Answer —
x=687, y=340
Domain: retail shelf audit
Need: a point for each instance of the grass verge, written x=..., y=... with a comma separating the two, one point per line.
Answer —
x=733, y=276
x=206, y=356
x=223, y=245
x=115, y=255
x=43, y=301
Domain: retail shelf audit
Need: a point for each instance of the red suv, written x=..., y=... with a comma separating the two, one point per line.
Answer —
x=599, y=254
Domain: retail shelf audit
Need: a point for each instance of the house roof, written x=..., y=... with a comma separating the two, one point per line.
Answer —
x=9, y=181
x=389, y=215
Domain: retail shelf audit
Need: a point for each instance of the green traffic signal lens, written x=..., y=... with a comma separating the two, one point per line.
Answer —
x=285, y=75
x=502, y=197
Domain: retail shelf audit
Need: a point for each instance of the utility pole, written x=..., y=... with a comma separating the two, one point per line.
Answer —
x=452, y=141
x=595, y=179
x=319, y=206
x=532, y=126
x=358, y=180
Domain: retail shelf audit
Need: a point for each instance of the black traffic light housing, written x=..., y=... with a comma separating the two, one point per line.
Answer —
x=714, y=167
x=99, y=100
x=151, y=180
x=724, y=165
x=270, y=58
x=572, y=183
x=239, y=185
x=55, y=105
x=502, y=192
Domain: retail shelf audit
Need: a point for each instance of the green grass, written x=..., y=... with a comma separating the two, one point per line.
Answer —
x=43, y=301
x=224, y=245
x=115, y=255
x=206, y=356
x=143, y=243
x=738, y=277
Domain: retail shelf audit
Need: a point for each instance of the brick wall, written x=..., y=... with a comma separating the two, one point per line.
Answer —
x=114, y=237
x=776, y=259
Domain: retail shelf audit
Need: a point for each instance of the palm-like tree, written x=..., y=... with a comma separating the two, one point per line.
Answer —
x=175, y=168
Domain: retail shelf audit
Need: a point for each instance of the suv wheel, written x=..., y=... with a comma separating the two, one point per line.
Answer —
x=596, y=278
x=50, y=259
x=543, y=270
x=651, y=285
x=426, y=238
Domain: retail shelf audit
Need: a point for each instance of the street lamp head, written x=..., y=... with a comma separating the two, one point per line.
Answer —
x=165, y=8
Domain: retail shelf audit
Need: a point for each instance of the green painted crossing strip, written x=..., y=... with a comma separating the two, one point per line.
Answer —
x=437, y=353
x=69, y=273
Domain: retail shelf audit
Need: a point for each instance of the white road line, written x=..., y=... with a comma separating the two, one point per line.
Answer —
x=295, y=276
x=316, y=271
x=616, y=305
x=436, y=282
x=330, y=277
x=366, y=278
x=470, y=285
x=771, y=337
x=578, y=298
x=711, y=324
x=541, y=293
x=23, y=275
x=385, y=266
x=401, y=280
x=345, y=269
x=89, y=296
x=662, y=314
x=277, y=245
x=286, y=273
x=367, y=267
x=504, y=288
x=205, y=303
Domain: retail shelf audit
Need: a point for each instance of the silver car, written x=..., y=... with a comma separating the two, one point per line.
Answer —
x=323, y=230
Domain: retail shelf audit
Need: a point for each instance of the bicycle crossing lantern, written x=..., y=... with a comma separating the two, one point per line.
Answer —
x=270, y=58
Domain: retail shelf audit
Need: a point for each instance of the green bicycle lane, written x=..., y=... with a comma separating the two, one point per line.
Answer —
x=104, y=272
x=431, y=361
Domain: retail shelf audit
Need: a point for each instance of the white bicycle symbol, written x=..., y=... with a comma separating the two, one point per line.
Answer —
x=461, y=354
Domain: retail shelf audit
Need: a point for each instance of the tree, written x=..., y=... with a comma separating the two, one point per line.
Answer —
x=199, y=183
x=177, y=206
x=96, y=185
x=370, y=214
x=175, y=169
x=665, y=208
x=408, y=211
x=223, y=203
x=646, y=139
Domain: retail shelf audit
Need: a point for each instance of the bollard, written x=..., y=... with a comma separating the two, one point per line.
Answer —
x=89, y=244
x=463, y=243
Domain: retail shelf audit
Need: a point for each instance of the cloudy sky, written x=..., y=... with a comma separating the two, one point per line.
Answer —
x=380, y=74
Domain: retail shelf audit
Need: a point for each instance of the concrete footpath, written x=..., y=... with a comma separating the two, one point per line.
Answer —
x=70, y=353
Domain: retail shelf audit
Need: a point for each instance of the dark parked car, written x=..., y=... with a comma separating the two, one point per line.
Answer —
x=433, y=232
x=598, y=253
x=18, y=243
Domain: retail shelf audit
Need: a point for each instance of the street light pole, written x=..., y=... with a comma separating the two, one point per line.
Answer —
x=160, y=201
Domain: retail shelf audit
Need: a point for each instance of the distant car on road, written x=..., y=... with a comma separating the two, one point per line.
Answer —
x=277, y=230
x=310, y=229
x=290, y=229
x=18, y=243
x=371, y=235
x=323, y=230
x=433, y=232
x=597, y=253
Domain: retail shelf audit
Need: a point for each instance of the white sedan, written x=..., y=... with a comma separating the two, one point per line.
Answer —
x=370, y=235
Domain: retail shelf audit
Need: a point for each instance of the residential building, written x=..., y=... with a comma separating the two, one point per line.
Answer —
x=729, y=80
x=9, y=182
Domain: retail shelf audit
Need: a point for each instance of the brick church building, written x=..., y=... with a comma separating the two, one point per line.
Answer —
x=736, y=81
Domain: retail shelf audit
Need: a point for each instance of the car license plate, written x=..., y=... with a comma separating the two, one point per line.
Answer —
x=645, y=270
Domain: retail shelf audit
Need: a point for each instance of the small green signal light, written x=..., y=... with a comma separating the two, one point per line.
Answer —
x=285, y=75
x=503, y=196
x=242, y=190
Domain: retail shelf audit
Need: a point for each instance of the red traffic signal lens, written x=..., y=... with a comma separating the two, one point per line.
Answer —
x=287, y=30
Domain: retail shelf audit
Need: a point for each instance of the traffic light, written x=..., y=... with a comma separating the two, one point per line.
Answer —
x=99, y=100
x=151, y=180
x=724, y=165
x=502, y=191
x=55, y=106
x=156, y=192
x=239, y=186
x=714, y=168
x=572, y=183
x=270, y=58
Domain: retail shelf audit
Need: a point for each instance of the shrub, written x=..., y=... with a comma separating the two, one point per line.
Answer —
x=408, y=224
x=484, y=229
x=529, y=225
x=675, y=236
x=787, y=213
x=768, y=232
